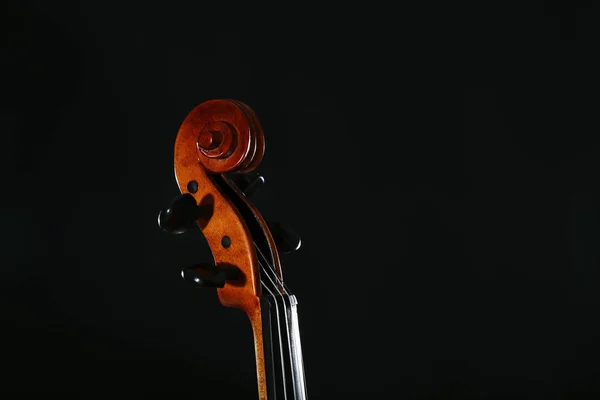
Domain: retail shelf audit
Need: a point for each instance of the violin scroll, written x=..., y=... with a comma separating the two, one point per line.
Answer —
x=227, y=135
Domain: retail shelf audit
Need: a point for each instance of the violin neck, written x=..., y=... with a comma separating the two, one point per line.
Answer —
x=284, y=366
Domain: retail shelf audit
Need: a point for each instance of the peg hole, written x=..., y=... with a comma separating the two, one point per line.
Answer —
x=192, y=186
x=226, y=242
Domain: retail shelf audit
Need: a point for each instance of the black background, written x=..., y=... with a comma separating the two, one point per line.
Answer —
x=440, y=164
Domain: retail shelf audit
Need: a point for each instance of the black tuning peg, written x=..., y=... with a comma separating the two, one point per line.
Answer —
x=286, y=240
x=209, y=275
x=204, y=275
x=180, y=215
x=248, y=182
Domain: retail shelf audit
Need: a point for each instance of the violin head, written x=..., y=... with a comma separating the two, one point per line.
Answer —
x=216, y=139
x=219, y=145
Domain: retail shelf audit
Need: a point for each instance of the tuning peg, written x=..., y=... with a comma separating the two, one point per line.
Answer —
x=209, y=275
x=248, y=182
x=180, y=215
x=204, y=275
x=286, y=240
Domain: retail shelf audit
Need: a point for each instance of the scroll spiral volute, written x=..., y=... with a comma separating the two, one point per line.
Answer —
x=227, y=136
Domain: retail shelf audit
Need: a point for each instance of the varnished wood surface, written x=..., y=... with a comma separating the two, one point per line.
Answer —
x=221, y=136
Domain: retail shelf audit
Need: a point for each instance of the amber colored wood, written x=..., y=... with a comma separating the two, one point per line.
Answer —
x=221, y=136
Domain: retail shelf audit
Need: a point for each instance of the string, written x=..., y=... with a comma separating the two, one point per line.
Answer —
x=275, y=287
x=271, y=269
x=286, y=290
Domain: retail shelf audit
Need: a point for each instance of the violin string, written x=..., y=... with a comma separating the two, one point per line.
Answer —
x=275, y=287
x=280, y=339
x=283, y=285
x=270, y=273
x=266, y=262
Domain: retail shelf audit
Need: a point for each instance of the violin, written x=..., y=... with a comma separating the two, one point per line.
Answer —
x=219, y=145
